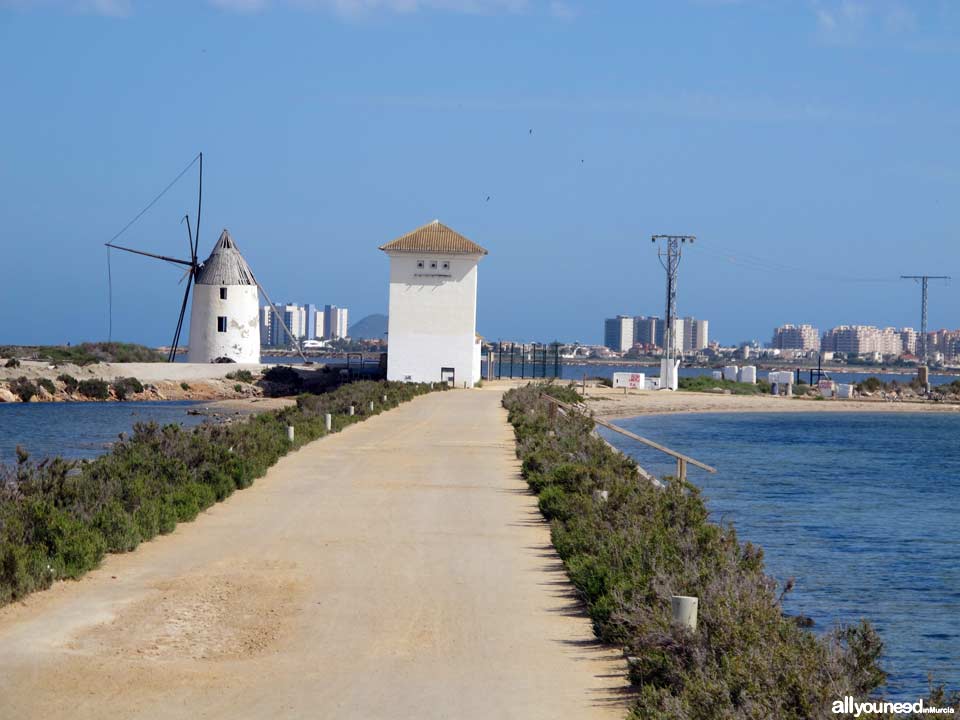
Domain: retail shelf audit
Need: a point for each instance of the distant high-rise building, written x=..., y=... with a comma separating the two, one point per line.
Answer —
x=862, y=340
x=648, y=330
x=908, y=337
x=618, y=333
x=796, y=337
x=692, y=334
x=266, y=320
x=310, y=322
x=294, y=317
x=334, y=322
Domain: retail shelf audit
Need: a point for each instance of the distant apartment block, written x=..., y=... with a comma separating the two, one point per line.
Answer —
x=863, y=340
x=692, y=334
x=796, y=337
x=648, y=330
x=266, y=322
x=618, y=333
x=305, y=322
x=334, y=322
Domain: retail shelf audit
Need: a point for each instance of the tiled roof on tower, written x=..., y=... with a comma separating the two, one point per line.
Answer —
x=434, y=237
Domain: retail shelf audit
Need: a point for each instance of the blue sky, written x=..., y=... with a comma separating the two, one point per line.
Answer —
x=812, y=146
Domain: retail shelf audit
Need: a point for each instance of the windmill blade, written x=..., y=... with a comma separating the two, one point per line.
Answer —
x=196, y=244
x=153, y=255
x=183, y=309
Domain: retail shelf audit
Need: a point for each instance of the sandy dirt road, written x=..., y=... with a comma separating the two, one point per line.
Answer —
x=398, y=569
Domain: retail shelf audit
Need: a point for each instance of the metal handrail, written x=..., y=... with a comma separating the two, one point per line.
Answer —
x=682, y=460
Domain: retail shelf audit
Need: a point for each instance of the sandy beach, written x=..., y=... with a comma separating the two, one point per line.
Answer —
x=609, y=403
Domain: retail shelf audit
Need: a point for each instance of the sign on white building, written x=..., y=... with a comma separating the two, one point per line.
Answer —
x=634, y=381
x=432, y=327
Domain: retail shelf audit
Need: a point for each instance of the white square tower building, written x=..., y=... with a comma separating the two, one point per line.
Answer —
x=432, y=328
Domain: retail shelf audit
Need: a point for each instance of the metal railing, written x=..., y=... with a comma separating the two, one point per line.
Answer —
x=682, y=460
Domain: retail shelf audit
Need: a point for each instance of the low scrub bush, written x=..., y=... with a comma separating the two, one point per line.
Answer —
x=184, y=386
x=58, y=518
x=94, y=389
x=283, y=380
x=122, y=387
x=241, y=375
x=706, y=383
x=12, y=363
x=627, y=555
x=87, y=353
x=24, y=388
x=47, y=384
x=70, y=383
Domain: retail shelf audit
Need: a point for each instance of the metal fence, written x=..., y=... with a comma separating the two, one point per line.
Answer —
x=534, y=360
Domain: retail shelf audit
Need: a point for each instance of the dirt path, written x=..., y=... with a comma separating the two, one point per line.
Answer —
x=395, y=570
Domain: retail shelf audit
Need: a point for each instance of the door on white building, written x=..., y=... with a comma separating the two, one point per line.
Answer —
x=447, y=376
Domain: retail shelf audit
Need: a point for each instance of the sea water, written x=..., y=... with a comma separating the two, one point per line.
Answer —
x=79, y=429
x=862, y=509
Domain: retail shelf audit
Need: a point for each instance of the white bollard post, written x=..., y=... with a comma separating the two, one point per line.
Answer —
x=290, y=433
x=384, y=398
x=684, y=609
x=352, y=410
x=371, y=406
x=328, y=418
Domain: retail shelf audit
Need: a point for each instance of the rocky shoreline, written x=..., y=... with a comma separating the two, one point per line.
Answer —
x=37, y=381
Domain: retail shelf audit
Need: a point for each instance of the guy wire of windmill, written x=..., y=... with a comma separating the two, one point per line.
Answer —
x=235, y=304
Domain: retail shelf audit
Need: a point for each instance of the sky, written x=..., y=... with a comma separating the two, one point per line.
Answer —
x=812, y=146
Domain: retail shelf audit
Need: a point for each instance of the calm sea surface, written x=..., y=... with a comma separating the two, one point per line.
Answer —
x=81, y=429
x=862, y=509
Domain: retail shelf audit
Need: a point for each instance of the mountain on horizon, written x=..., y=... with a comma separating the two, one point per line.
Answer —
x=371, y=327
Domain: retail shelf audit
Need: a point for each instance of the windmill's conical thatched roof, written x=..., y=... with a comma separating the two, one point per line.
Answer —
x=225, y=266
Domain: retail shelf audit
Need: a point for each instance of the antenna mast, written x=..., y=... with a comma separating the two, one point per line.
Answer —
x=923, y=350
x=669, y=254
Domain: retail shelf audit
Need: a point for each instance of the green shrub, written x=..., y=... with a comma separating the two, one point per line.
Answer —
x=23, y=388
x=705, y=383
x=284, y=379
x=238, y=388
x=86, y=353
x=23, y=570
x=12, y=363
x=119, y=528
x=94, y=389
x=184, y=386
x=627, y=555
x=48, y=385
x=122, y=387
x=241, y=375
x=69, y=382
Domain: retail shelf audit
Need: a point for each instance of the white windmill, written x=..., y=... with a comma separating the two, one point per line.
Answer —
x=225, y=316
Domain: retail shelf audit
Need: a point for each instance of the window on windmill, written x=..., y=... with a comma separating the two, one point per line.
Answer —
x=433, y=264
x=446, y=266
x=420, y=264
x=223, y=293
x=222, y=323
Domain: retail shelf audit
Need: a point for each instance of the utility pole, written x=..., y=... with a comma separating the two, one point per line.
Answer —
x=669, y=253
x=923, y=309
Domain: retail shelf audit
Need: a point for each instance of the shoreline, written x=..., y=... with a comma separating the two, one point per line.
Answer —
x=161, y=381
x=608, y=404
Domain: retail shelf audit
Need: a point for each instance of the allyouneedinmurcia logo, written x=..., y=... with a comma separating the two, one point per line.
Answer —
x=849, y=706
